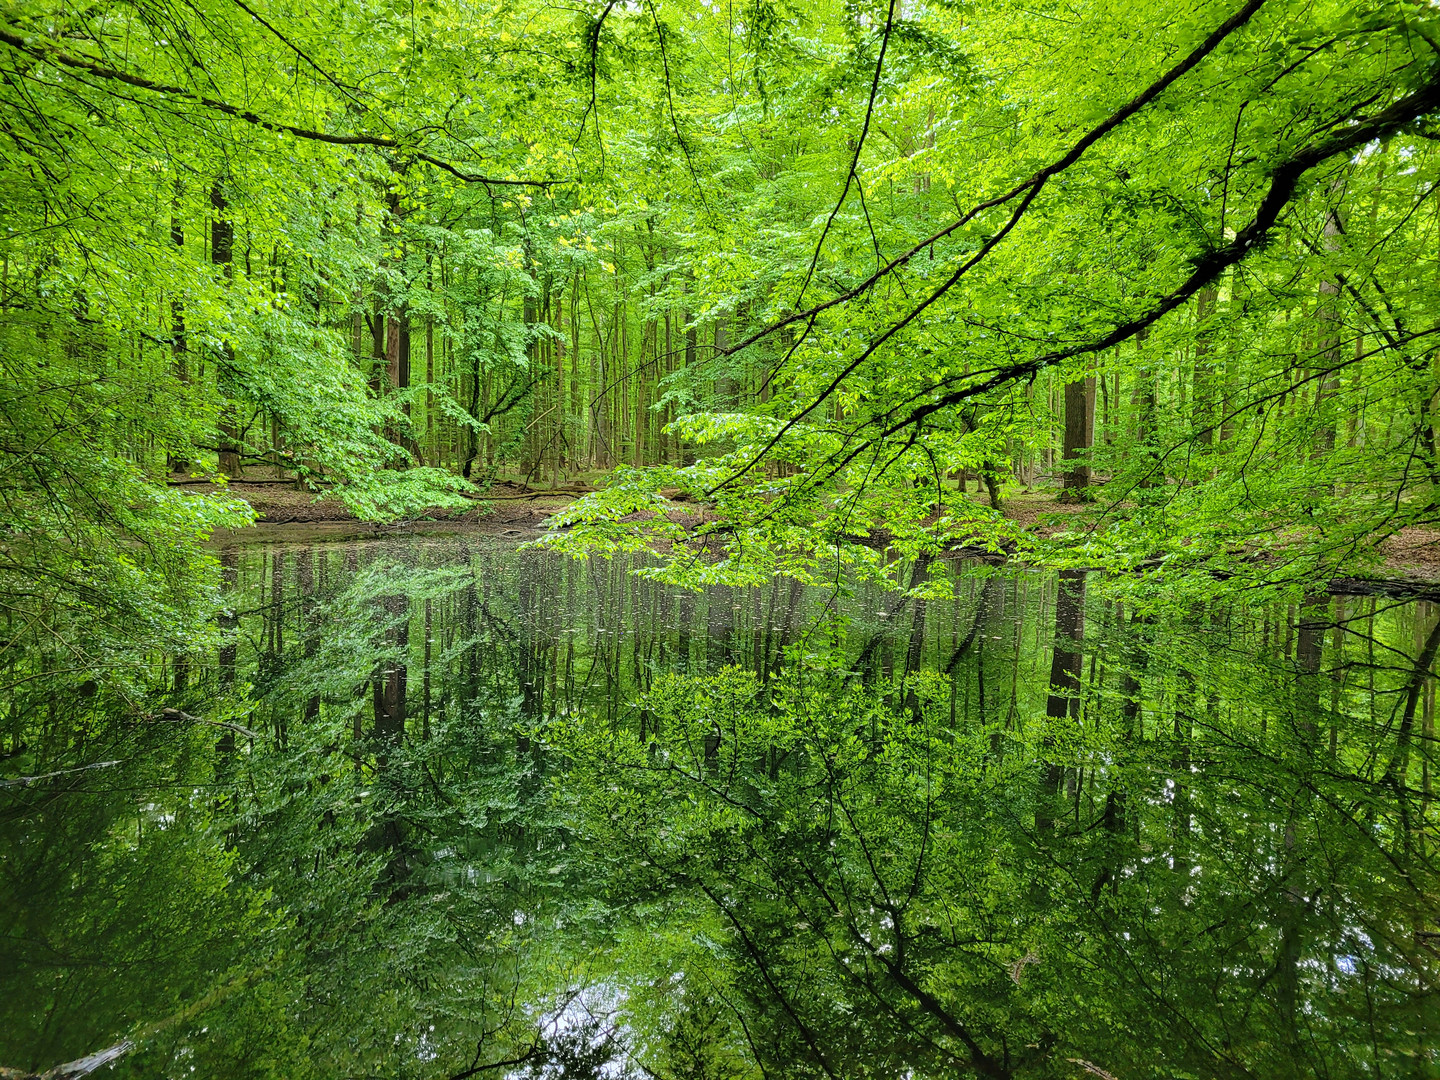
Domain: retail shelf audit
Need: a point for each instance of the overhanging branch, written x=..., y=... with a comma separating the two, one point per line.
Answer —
x=380, y=142
x=1071, y=156
x=1207, y=267
x=1026, y=190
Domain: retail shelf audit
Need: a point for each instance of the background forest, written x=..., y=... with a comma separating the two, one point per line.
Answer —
x=797, y=297
x=835, y=262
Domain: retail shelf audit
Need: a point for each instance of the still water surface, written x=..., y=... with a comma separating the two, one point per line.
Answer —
x=445, y=807
x=1023, y=829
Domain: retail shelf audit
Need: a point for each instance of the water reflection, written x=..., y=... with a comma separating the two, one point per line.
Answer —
x=442, y=808
x=1020, y=830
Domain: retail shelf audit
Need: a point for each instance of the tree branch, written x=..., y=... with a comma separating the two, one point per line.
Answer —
x=382, y=142
x=1284, y=182
x=1154, y=90
x=1028, y=188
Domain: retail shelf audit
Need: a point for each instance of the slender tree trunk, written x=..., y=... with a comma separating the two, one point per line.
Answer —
x=222, y=252
x=1143, y=399
x=1204, y=377
x=305, y=586
x=179, y=352
x=726, y=398
x=425, y=692
x=1328, y=383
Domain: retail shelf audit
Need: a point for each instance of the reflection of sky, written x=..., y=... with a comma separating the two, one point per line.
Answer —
x=594, y=1014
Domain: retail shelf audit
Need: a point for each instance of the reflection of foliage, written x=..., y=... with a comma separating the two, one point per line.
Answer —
x=130, y=912
x=873, y=889
x=332, y=905
x=375, y=816
x=835, y=863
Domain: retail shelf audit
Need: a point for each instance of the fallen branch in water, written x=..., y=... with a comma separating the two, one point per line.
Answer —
x=79, y=1067
x=26, y=781
x=175, y=716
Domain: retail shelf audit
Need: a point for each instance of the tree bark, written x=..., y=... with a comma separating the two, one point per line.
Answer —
x=179, y=351
x=1328, y=383
x=1079, y=435
x=222, y=252
x=1204, y=376
x=725, y=394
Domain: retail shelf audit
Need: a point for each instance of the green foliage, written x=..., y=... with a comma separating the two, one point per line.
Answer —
x=869, y=891
x=790, y=277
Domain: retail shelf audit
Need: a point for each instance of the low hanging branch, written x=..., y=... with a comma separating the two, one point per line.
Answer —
x=381, y=142
x=1207, y=267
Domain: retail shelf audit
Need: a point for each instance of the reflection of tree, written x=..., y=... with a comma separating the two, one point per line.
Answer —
x=886, y=907
x=1062, y=704
x=784, y=868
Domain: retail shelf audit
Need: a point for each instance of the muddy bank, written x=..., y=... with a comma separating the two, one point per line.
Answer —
x=504, y=506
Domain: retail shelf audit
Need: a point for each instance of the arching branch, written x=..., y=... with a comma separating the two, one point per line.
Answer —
x=1071, y=156
x=382, y=142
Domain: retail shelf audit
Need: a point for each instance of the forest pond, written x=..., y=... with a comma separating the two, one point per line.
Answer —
x=531, y=816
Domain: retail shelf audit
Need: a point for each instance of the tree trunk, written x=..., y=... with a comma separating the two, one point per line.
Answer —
x=1203, y=416
x=222, y=252
x=1328, y=383
x=178, y=346
x=725, y=394
x=1079, y=435
x=1145, y=405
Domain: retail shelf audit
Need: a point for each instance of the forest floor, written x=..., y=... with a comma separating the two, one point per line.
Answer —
x=1413, y=552
x=505, y=506
x=509, y=503
x=510, y=508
